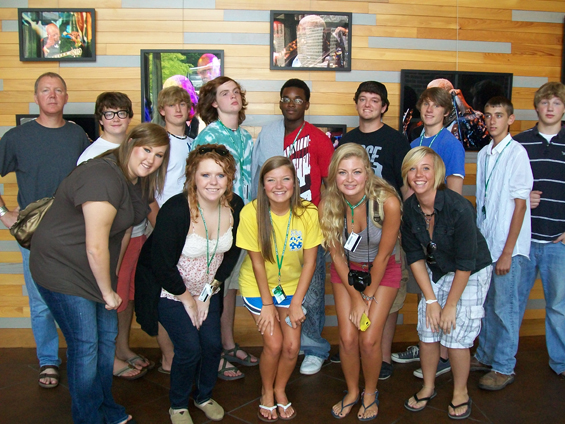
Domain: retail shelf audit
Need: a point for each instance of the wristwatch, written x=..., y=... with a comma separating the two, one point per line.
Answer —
x=3, y=211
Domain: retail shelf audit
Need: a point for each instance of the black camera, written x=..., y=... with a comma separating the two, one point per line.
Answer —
x=360, y=280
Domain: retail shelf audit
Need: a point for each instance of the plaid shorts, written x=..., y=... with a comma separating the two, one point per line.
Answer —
x=469, y=311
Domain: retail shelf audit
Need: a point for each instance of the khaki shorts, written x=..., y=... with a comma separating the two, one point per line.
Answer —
x=232, y=282
x=401, y=295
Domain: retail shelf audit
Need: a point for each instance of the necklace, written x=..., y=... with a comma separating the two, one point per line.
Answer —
x=177, y=137
x=427, y=217
x=352, y=207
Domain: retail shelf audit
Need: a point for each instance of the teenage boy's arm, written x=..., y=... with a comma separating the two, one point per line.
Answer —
x=152, y=216
x=505, y=261
x=455, y=183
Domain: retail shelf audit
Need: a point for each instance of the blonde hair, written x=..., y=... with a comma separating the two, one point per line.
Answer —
x=415, y=156
x=376, y=189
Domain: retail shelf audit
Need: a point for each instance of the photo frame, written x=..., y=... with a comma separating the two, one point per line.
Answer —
x=190, y=69
x=88, y=122
x=334, y=131
x=52, y=35
x=305, y=40
x=471, y=90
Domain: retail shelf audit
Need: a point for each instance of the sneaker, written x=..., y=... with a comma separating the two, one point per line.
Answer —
x=211, y=409
x=180, y=416
x=442, y=368
x=412, y=354
x=478, y=366
x=495, y=381
x=386, y=371
x=311, y=365
x=335, y=359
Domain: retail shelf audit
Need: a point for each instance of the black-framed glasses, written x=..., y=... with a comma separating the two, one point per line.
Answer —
x=430, y=251
x=109, y=115
x=296, y=101
x=222, y=151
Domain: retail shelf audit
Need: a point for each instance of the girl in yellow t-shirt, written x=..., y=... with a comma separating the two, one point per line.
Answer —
x=281, y=233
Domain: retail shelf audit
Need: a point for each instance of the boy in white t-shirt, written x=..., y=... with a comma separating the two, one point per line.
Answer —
x=504, y=183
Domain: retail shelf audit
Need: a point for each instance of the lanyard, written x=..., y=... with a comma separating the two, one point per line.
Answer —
x=352, y=207
x=295, y=138
x=493, y=168
x=208, y=258
x=433, y=139
x=370, y=264
x=280, y=262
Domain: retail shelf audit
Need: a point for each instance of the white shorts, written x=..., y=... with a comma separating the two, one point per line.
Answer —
x=232, y=282
x=469, y=310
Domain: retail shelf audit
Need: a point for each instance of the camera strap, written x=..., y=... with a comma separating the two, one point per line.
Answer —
x=370, y=264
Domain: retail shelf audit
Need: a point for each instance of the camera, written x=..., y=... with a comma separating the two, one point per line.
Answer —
x=360, y=280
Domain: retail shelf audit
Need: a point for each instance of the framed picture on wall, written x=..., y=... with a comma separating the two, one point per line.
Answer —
x=88, y=122
x=310, y=40
x=333, y=131
x=469, y=93
x=189, y=69
x=57, y=35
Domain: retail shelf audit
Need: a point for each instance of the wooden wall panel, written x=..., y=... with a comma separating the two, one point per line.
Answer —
x=535, y=52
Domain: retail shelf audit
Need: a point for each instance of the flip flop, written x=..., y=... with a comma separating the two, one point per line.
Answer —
x=265, y=419
x=224, y=368
x=338, y=416
x=163, y=370
x=120, y=373
x=374, y=402
x=54, y=376
x=466, y=414
x=132, y=361
x=285, y=407
x=231, y=356
x=426, y=399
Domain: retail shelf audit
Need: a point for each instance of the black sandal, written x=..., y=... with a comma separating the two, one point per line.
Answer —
x=466, y=414
x=426, y=399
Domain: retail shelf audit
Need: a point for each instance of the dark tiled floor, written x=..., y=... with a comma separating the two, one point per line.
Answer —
x=537, y=395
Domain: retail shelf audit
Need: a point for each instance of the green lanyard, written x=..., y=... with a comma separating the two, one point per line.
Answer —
x=352, y=207
x=433, y=139
x=280, y=262
x=484, y=210
x=208, y=258
x=295, y=138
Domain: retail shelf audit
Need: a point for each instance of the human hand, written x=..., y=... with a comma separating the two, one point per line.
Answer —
x=202, y=309
x=112, y=300
x=503, y=264
x=192, y=311
x=266, y=320
x=10, y=218
x=559, y=239
x=433, y=316
x=447, y=320
x=535, y=198
x=358, y=308
x=296, y=315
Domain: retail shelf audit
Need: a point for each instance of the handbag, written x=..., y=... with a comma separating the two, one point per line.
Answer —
x=29, y=219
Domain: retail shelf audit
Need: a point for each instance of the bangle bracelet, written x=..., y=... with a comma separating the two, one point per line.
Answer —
x=365, y=297
x=3, y=211
x=267, y=304
x=429, y=302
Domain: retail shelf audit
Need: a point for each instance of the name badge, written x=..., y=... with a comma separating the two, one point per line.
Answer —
x=205, y=293
x=279, y=294
x=352, y=242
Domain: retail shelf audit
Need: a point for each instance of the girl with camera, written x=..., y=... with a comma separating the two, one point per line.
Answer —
x=281, y=233
x=360, y=220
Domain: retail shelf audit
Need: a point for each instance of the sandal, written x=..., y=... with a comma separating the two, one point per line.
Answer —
x=54, y=376
x=374, y=402
x=120, y=373
x=338, y=415
x=426, y=399
x=231, y=355
x=225, y=368
x=270, y=409
x=285, y=407
x=133, y=362
x=464, y=415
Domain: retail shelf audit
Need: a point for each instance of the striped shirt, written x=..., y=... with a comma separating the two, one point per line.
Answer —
x=548, y=166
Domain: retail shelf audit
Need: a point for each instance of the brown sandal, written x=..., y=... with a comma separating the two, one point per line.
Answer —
x=54, y=376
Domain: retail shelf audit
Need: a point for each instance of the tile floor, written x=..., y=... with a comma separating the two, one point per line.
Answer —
x=537, y=395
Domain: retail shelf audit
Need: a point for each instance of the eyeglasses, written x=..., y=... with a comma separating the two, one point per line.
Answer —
x=430, y=250
x=109, y=115
x=222, y=151
x=296, y=101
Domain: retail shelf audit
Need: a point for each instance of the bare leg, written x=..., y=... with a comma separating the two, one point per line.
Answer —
x=429, y=357
x=167, y=348
x=460, y=364
x=123, y=352
x=388, y=336
x=226, y=323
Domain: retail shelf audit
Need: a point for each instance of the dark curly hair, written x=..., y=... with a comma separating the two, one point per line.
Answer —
x=207, y=94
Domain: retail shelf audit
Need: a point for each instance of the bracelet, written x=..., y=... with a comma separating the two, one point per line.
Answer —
x=268, y=304
x=3, y=211
x=365, y=297
x=429, y=302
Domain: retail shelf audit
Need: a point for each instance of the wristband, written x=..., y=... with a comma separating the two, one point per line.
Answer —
x=268, y=304
x=429, y=302
x=3, y=211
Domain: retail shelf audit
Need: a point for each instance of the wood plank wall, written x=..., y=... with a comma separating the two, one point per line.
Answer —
x=517, y=36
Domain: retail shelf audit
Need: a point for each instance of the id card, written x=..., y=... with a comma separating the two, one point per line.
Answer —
x=279, y=294
x=352, y=242
x=205, y=293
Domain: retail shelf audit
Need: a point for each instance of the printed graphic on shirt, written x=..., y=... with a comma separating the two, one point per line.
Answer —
x=300, y=156
x=374, y=153
x=295, y=240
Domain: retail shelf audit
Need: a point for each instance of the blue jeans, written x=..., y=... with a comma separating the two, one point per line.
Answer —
x=42, y=321
x=311, y=340
x=549, y=260
x=90, y=331
x=498, y=340
x=197, y=352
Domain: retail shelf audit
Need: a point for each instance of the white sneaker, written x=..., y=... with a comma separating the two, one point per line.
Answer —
x=311, y=365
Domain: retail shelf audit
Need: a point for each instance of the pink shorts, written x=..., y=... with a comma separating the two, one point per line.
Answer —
x=126, y=275
x=393, y=272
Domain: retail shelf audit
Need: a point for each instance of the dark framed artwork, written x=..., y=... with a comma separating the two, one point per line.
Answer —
x=333, y=131
x=189, y=69
x=88, y=122
x=469, y=91
x=310, y=40
x=57, y=35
